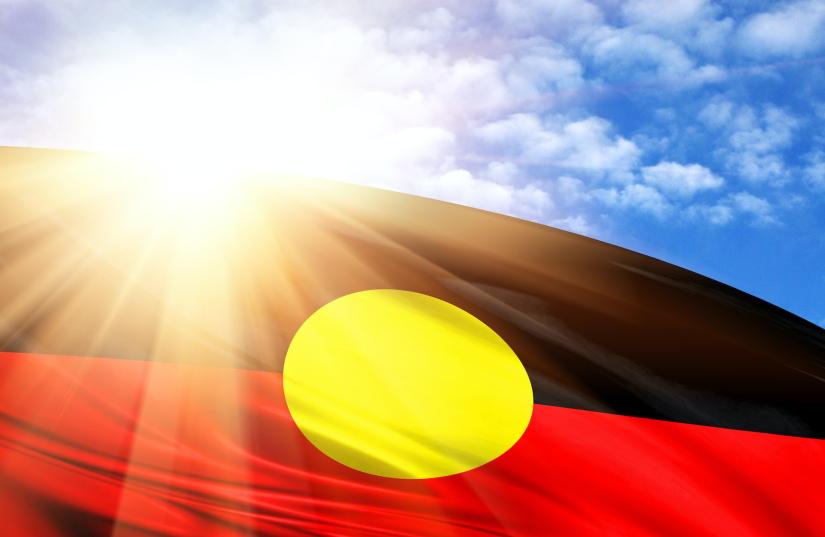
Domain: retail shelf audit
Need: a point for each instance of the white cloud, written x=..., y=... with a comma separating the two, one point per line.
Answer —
x=754, y=140
x=542, y=68
x=461, y=186
x=693, y=24
x=793, y=29
x=711, y=37
x=757, y=209
x=418, y=145
x=571, y=190
x=455, y=100
x=627, y=51
x=383, y=104
x=630, y=53
x=431, y=29
x=516, y=129
x=756, y=144
x=577, y=224
x=814, y=171
x=718, y=214
x=587, y=145
x=671, y=14
x=502, y=172
x=389, y=96
x=681, y=180
x=756, y=167
x=761, y=135
x=704, y=74
x=717, y=113
x=591, y=145
x=665, y=194
x=554, y=19
x=642, y=198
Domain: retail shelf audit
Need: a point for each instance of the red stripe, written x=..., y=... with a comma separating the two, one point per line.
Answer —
x=183, y=449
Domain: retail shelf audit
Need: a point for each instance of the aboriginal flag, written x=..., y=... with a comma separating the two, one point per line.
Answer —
x=300, y=357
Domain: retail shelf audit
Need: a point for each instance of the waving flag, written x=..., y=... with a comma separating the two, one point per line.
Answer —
x=298, y=357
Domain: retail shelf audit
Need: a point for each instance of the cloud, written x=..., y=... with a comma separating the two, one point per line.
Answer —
x=624, y=51
x=694, y=24
x=666, y=196
x=577, y=224
x=571, y=190
x=763, y=134
x=634, y=197
x=711, y=37
x=814, y=171
x=630, y=53
x=681, y=180
x=717, y=113
x=756, y=144
x=431, y=29
x=555, y=19
x=755, y=139
x=542, y=68
x=502, y=172
x=757, y=209
x=389, y=96
x=533, y=108
x=642, y=198
x=675, y=13
x=461, y=186
x=717, y=215
x=793, y=29
x=587, y=145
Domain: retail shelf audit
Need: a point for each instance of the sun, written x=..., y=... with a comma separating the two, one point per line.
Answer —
x=193, y=120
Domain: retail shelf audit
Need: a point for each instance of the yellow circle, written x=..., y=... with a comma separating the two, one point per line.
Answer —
x=401, y=384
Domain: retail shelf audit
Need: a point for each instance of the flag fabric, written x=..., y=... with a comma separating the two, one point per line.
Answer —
x=159, y=372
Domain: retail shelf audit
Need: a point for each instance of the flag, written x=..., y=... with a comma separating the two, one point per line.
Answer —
x=300, y=357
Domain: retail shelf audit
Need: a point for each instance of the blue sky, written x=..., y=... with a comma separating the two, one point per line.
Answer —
x=689, y=130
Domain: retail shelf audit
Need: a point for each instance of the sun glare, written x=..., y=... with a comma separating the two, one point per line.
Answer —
x=192, y=122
